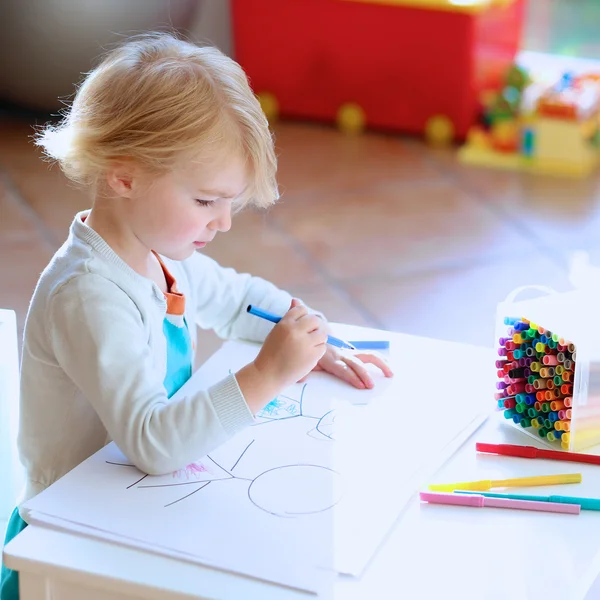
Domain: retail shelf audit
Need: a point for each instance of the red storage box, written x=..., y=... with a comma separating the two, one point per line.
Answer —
x=417, y=66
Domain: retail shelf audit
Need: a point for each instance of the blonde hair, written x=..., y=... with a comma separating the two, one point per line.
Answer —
x=157, y=100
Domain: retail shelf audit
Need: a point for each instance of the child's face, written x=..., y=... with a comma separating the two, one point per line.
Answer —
x=183, y=210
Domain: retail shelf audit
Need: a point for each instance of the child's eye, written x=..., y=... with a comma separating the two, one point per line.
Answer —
x=203, y=202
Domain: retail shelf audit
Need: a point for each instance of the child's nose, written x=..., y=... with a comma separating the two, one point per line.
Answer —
x=222, y=221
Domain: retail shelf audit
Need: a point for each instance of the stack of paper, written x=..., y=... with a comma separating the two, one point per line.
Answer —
x=311, y=489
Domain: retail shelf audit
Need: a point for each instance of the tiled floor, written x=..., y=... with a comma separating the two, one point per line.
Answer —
x=375, y=230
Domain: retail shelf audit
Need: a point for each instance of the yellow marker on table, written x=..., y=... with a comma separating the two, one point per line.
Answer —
x=488, y=484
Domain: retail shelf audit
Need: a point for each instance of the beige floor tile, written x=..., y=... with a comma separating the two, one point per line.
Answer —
x=17, y=150
x=54, y=199
x=501, y=185
x=563, y=213
x=22, y=263
x=389, y=230
x=253, y=246
x=318, y=159
x=492, y=183
x=39, y=183
x=15, y=222
x=455, y=304
x=336, y=306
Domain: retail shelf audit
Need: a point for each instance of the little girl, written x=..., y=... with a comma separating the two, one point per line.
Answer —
x=169, y=139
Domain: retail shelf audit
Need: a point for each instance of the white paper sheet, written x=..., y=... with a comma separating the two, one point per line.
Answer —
x=313, y=486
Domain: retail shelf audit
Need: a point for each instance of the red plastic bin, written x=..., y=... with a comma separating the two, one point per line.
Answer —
x=402, y=63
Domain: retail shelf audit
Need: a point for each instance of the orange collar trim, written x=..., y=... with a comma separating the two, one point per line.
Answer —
x=175, y=300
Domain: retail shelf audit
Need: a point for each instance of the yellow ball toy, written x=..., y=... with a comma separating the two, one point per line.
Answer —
x=351, y=118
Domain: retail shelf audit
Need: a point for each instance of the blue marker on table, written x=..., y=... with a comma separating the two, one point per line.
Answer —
x=263, y=314
x=371, y=344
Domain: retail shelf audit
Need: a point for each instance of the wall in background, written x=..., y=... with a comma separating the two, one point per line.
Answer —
x=50, y=43
x=212, y=23
x=566, y=27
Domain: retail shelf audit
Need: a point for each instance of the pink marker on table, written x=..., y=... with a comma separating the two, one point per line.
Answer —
x=477, y=501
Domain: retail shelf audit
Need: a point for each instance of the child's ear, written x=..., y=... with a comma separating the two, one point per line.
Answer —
x=121, y=178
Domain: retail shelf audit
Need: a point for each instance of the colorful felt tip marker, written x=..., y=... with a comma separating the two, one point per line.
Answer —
x=371, y=344
x=263, y=314
x=531, y=452
x=481, y=501
x=488, y=484
x=585, y=503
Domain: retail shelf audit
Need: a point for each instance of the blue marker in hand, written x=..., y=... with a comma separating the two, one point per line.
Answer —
x=263, y=314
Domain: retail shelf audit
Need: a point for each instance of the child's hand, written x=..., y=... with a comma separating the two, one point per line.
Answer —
x=349, y=365
x=294, y=346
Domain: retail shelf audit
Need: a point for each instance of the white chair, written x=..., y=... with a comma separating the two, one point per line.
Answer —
x=11, y=471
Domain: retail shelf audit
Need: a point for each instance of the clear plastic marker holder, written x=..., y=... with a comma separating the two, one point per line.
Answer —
x=575, y=317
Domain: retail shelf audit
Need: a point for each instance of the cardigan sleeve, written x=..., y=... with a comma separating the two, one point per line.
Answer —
x=222, y=295
x=98, y=338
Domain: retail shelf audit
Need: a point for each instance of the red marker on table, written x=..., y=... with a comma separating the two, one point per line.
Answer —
x=531, y=452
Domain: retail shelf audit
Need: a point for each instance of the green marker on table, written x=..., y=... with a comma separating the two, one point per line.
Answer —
x=585, y=503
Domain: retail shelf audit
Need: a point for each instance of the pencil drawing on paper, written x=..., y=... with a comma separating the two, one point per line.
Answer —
x=285, y=407
x=288, y=490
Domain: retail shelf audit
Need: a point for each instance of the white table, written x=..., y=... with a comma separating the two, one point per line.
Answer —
x=432, y=552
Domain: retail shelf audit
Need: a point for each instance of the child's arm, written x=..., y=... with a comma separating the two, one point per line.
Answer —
x=222, y=295
x=99, y=339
